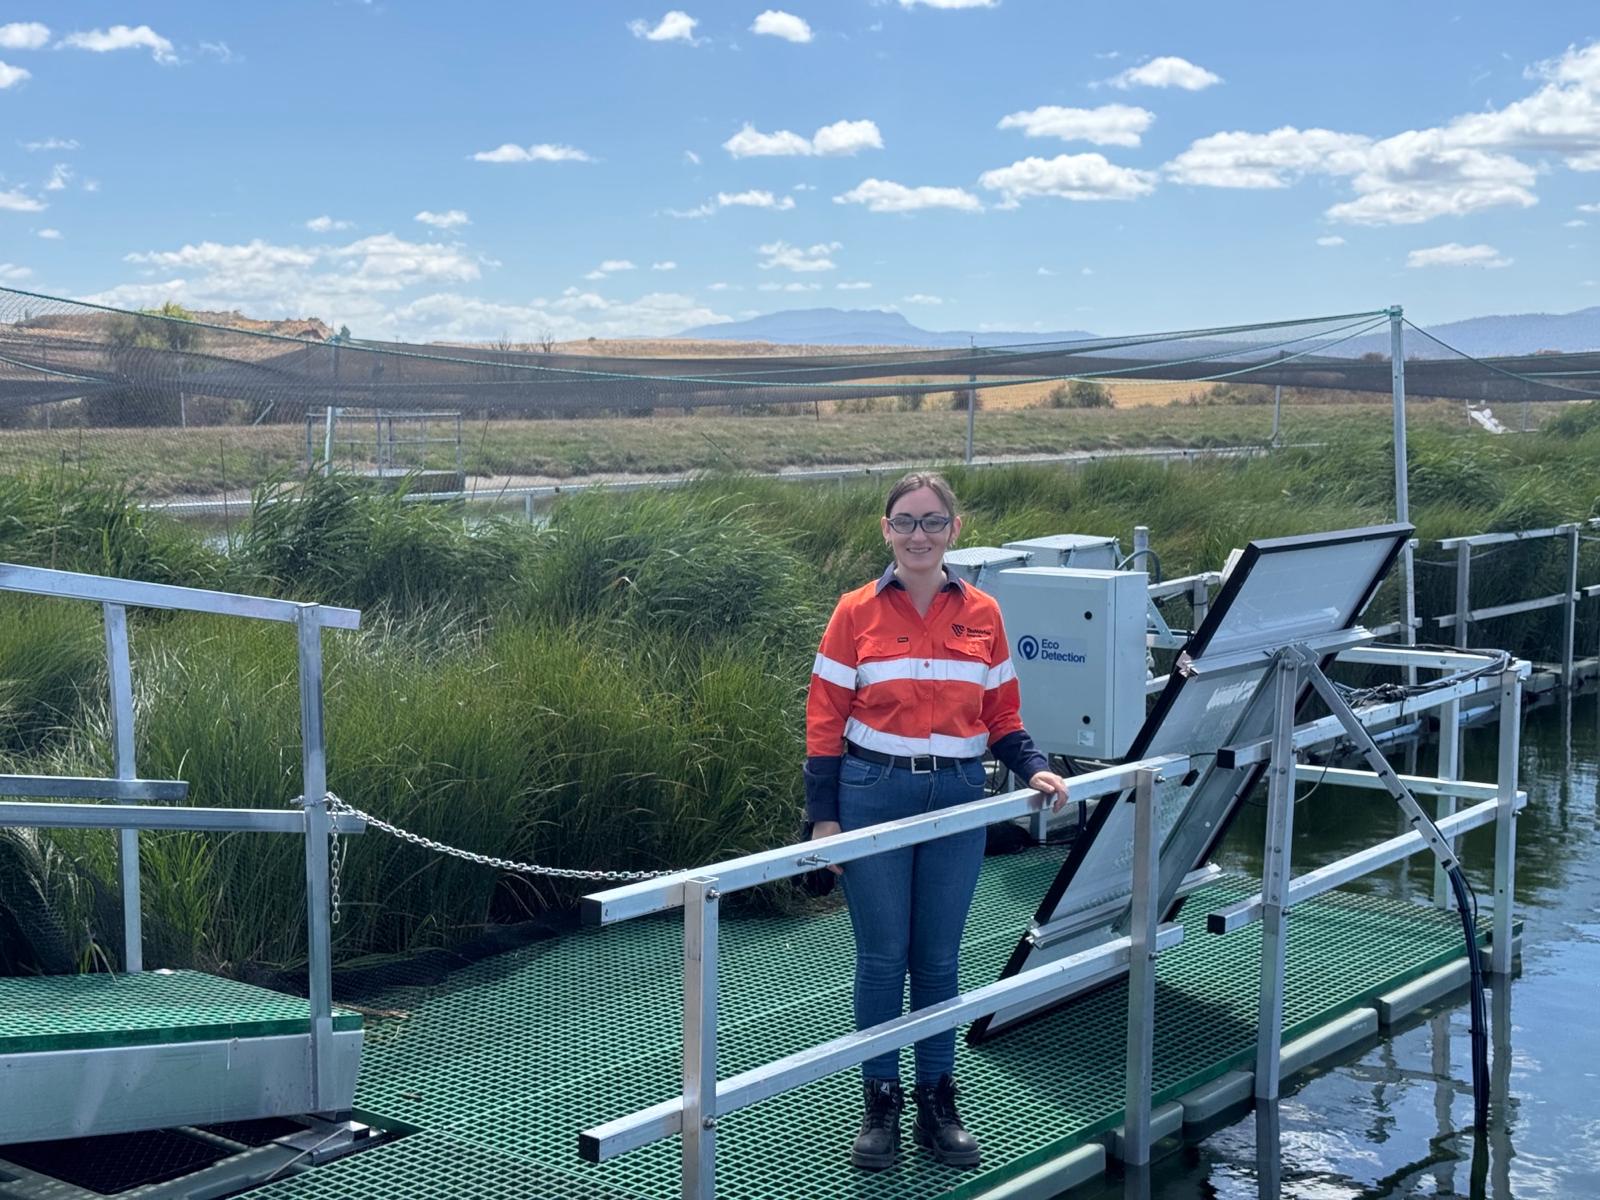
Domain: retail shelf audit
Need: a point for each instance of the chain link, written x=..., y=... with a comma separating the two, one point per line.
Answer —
x=338, y=807
x=336, y=853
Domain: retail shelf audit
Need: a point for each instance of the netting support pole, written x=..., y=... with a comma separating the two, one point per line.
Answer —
x=1402, y=492
x=972, y=400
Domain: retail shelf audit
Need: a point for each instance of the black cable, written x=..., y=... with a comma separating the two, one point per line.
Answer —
x=1467, y=905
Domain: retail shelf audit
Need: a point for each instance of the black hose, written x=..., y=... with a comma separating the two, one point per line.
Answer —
x=1479, y=1009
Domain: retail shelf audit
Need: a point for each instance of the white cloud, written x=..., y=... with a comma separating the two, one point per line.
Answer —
x=51, y=144
x=886, y=196
x=690, y=156
x=1268, y=160
x=856, y=286
x=1108, y=125
x=1087, y=271
x=355, y=283
x=1453, y=254
x=790, y=287
x=921, y=298
x=91, y=185
x=795, y=258
x=719, y=286
x=755, y=198
x=1589, y=208
x=1069, y=176
x=16, y=200
x=676, y=26
x=219, y=51
x=1045, y=271
x=846, y=137
x=1575, y=223
x=50, y=235
x=10, y=273
x=1466, y=165
x=510, y=152
x=326, y=224
x=11, y=76
x=1332, y=239
x=123, y=37
x=839, y=138
x=572, y=316
x=609, y=267
x=667, y=265
x=951, y=3
x=449, y=219
x=24, y=35
x=1166, y=72
x=777, y=23
x=60, y=175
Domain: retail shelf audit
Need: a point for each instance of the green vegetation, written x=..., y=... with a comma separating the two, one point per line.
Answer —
x=173, y=462
x=622, y=688
x=1079, y=393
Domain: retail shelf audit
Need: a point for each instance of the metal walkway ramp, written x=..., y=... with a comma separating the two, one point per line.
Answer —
x=82, y=1054
x=497, y=1069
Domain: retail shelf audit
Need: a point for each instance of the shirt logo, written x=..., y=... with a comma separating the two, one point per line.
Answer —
x=970, y=631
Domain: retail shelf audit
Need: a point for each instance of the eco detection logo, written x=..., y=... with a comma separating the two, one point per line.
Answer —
x=1050, y=650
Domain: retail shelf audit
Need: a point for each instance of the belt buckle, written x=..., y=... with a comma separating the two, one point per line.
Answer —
x=923, y=764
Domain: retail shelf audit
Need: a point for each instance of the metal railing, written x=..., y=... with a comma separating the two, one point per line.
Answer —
x=314, y=822
x=1464, y=615
x=694, y=1112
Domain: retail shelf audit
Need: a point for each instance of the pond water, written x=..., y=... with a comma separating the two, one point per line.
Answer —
x=1395, y=1119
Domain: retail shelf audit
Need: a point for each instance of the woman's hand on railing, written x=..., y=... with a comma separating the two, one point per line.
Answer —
x=824, y=829
x=1048, y=784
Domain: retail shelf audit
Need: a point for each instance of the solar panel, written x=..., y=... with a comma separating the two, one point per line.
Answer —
x=1282, y=591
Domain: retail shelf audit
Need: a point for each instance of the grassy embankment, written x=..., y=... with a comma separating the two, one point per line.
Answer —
x=621, y=689
x=205, y=460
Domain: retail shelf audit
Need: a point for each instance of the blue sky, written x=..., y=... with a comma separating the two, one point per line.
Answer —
x=612, y=168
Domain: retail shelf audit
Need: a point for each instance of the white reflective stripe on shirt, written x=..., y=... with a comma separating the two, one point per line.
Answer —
x=938, y=670
x=834, y=671
x=995, y=676
x=941, y=744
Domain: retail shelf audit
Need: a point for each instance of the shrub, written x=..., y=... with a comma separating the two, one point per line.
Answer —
x=1078, y=393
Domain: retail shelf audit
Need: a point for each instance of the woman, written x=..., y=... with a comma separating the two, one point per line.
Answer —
x=912, y=686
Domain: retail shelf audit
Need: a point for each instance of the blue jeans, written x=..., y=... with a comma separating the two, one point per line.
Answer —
x=908, y=906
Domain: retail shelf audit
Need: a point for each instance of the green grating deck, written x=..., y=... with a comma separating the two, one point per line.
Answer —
x=88, y=1012
x=502, y=1069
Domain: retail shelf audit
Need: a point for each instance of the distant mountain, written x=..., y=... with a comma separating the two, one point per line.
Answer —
x=1481, y=337
x=860, y=327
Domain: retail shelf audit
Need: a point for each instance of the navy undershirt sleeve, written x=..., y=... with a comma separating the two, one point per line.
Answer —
x=1020, y=756
x=822, y=787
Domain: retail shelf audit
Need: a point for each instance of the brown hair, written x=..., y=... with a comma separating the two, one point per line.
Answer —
x=922, y=479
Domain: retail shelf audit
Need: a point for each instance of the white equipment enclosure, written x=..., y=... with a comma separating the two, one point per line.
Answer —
x=1307, y=591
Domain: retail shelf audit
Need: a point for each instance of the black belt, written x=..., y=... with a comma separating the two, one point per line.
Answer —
x=921, y=764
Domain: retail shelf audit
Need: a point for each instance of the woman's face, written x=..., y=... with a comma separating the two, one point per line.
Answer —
x=920, y=550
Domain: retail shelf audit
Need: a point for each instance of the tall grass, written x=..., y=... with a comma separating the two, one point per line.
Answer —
x=622, y=689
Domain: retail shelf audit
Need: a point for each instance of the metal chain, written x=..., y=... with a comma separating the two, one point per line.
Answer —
x=341, y=808
x=336, y=853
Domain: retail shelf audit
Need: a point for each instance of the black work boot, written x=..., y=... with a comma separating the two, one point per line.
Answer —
x=939, y=1126
x=878, y=1143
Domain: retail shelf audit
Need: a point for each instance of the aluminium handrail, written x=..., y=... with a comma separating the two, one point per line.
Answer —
x=314, y=821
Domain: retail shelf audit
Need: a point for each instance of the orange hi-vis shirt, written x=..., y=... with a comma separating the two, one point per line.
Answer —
x=898, y=683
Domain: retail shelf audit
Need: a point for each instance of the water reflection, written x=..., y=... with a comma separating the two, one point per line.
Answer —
x=1395, y=1119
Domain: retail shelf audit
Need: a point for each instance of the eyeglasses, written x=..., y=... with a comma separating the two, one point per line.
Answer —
x=904, y=523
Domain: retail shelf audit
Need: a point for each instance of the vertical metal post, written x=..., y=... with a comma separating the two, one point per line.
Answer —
x=1141, y=974
x=1449, y=768
x=314, y=784
x=972, y=397
x=1141, y=541
x=700, y=905
x=1463, y=593
x=1505, y=825
x=1275, y=879
x=1402, y=499
x=119, y=669
x=1569, y=628
x=1277, y=404
x=327, y=435
x=1200, y=602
